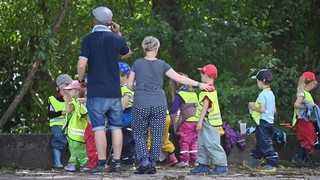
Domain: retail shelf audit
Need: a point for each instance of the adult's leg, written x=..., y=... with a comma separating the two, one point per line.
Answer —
x=157, y=125
x=117, y=140
x=101, y=143
x=97, y=108
x=114, y=116
x=140, y=133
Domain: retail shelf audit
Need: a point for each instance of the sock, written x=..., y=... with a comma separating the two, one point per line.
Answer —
x=115, y=161
x=145, y=161
x=153, y=163
x=102, y=162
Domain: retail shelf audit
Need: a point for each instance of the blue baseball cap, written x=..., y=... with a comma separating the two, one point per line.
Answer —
x=263, y=75
x=124, y=67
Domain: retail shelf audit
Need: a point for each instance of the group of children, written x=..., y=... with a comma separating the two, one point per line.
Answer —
x=70, y=125
x=197, y=123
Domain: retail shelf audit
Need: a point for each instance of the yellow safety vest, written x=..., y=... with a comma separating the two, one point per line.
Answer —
x=255, y=114
x=76, y=124
x=213, y=115
x=57, y=106
x=308, y=97
x=190, y=98
x=125, y=89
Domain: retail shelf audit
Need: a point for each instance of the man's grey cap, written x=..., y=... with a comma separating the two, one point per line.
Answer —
x=102, y=14
x=63, y=78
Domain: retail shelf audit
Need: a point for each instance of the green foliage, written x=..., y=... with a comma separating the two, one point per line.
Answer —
x=239, y=37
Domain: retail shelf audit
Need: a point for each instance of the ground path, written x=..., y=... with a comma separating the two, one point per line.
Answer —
x=235, y=172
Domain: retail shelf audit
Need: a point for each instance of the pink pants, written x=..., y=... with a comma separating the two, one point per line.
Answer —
x=188, y=141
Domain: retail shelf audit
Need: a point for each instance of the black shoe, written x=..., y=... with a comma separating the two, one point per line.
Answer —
x=98, y=170
x=297, y=161
x=114, y=167
x=308, y=162
x=152, y=170
x=142, y=170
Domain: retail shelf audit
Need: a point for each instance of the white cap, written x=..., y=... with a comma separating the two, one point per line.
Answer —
x=102, y=14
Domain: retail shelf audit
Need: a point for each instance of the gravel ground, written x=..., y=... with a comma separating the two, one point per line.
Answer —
x=235, y=172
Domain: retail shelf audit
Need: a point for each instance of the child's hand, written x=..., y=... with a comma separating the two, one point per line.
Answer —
x=69, y=108
x=199, y=127
x=82, y=100
x=250, y=105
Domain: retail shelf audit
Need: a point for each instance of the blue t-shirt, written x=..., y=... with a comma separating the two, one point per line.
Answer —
x=149, y=80
x=102, y=49
x=267, y=97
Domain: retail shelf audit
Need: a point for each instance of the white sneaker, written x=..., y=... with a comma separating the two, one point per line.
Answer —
x=182, y=164
x=70, y=167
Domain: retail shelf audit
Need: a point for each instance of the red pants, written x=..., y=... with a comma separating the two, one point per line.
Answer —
x=306, y=135
x=90, y=147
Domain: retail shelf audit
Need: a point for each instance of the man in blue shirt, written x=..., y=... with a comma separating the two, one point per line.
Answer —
x=101, y=50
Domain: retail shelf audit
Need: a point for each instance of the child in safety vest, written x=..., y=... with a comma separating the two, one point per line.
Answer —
x=128, y=146
x=56, y=115
x=263, y=111
x=210, y=152
x=306, y=134
x=75, y=127
x=167, y=146
x=185, y=100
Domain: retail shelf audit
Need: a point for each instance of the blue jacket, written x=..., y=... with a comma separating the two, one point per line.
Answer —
x=312, y=112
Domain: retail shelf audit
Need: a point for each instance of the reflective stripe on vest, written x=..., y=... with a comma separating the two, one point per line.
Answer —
x=57, y=106
x=125, y=89
x=255, y=114
x=192, y=99
x=308, y=97
x=77, y=124
x=214, y=115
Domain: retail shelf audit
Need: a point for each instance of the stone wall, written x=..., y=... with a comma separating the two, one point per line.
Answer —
x=34, y=150
x=28, y=151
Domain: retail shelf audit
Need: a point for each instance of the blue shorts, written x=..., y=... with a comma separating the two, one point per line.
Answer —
x=102, y=110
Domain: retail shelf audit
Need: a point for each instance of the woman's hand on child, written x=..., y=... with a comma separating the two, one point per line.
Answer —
x=205, y=87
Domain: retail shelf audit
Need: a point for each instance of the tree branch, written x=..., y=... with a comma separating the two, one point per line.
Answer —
x=33, y=71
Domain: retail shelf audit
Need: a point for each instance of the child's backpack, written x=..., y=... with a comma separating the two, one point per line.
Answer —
x=280, y=137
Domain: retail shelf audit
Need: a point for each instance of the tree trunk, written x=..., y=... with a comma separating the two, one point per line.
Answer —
x=169, y=10
x=33, y=71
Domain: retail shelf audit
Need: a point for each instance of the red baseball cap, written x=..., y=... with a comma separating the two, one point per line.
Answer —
x=309, y=75
x=210, y=70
